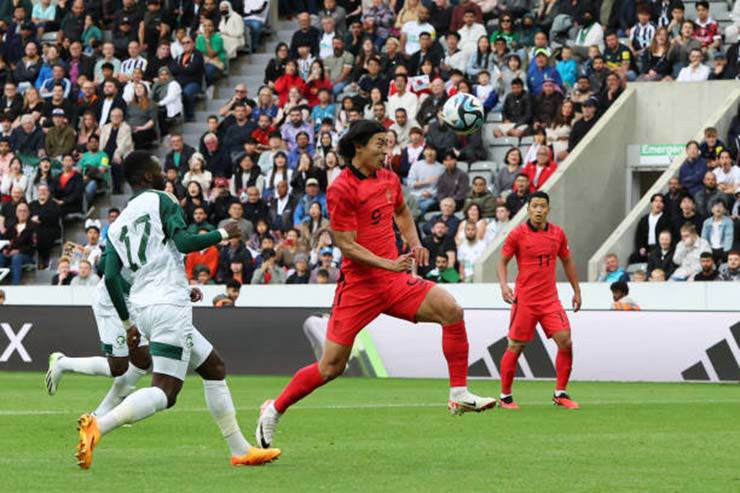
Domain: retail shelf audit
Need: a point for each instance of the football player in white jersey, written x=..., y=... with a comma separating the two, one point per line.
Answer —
x=149, y=239
x=113, y=345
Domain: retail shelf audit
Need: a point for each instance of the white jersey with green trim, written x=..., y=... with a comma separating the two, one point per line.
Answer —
x=101, y=299
x=141, y=236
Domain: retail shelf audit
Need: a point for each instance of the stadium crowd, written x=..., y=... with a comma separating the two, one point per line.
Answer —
x=86, y=82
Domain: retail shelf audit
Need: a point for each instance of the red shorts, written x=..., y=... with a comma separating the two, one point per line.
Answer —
x=358, y=303
x=524, y=319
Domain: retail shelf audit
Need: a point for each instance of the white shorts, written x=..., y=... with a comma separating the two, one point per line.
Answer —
x=111, y=332
x=174, y=343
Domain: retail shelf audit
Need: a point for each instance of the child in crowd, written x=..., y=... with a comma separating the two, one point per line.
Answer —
x=567, y=67
x=485, y=91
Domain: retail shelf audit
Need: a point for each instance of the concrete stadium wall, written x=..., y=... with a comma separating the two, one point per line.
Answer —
x=589, y=190
x=621, y=241
x=707, y=296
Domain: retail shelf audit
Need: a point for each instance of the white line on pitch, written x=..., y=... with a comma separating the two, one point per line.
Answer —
x=586, y=405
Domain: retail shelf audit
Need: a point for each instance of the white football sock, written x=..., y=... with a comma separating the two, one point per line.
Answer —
x=218, y=400
x=121, y=388
x=458, y=392
x=139, y=405
x=94, y=365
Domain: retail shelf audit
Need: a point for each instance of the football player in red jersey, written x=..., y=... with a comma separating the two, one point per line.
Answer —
x=536, y=245
x=363, y=202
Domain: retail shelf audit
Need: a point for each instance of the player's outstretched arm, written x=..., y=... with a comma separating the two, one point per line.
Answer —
x=503, y=274
x=569, y=266
x=346, y=241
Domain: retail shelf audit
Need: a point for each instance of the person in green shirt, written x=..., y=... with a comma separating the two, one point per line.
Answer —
x=442, y=272
x=200, y=221
x=506, y=31
x=91, y=36
x=211, y=44
x=95, y=165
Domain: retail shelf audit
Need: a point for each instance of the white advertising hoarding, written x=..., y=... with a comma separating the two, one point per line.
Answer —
x=608, y=345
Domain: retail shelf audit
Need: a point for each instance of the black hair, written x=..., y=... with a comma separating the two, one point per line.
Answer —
x=702, y=3
x=233, y=284
x=453, y=33
x=450, y=154
x=136, y=164
x=622, y=287
x=517, y=82
x=359, y=133
x=114, y=209
x=706, y=255
x=652, y=197
x=539, y=195
x=610, y=32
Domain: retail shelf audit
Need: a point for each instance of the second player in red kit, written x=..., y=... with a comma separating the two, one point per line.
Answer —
x=537, y=245
x=364, y=202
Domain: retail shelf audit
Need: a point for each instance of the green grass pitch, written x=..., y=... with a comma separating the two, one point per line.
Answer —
x=385, y=435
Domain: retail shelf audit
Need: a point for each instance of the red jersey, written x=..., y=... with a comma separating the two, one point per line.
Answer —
x=366, y=204
x=536, y=253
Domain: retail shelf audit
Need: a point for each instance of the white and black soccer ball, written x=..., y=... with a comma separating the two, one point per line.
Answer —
x=463, y=113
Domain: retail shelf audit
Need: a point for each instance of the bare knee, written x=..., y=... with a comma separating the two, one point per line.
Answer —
x=213, y=368
x=565, y=343
x=332, y=368
x=141, y=358
x=118, y=366
x=517, y=346
x=169, y=385
x=450, y=312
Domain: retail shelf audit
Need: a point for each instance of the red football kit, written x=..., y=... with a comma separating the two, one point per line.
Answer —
x=536, y=295
x=366, y=205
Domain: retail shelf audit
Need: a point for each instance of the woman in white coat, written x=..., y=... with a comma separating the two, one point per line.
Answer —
x=231, y=28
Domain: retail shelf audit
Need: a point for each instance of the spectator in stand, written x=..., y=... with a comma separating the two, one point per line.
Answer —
x=306, y=171
x=295, y=126
x=612, y=271
x=7, y=211
x=179, y=156
x=255, y=208
x=64, y=274
x=423, y=179
x=497, y=226
x=68, y=188
x=21, y=247
x=613, y=88
x=472, y=214
x=167, y=93
x=618, y=57
x=56, y=78
x=539, y=171
x=706, y=29
x=248, y=175
x=469, y=251
x=688, y=252
x=200, y=221
x=620, y=294
x=231, y=28
x=402, y=127
x=94, y=165
x=447, y=215
x=198, y=173
x=207, y=257
x=708, y=271
x=731, y=270
x=520, y=196
x=443, y=273
x=517, y=112
x=687, y=214
x=711, y=146
x=278, y=171
x=541, y=71
x=649, y=228
x=695, y=71
x=238, y=132
x=402, y=98
x=682, y=46
x=305, y=35
x=672, y=198
x=301, y=274
x=46, y=217
x=654, y=60
x=211, y=45
x=188, y=71
x=439, y=243
x=693, y=169
x=161, y=58
x=709, y=193
x=718, y=230
x=313, y=223
x=15, y=179
x=288, y=248
x=661, y=255
x=142, y=117
x=268, y=272
x=255, y=18
x=27, y=140
x=326, y=264
x=111, y=100
x=117, y=143
x=234, y=251
x=727, y=174
x=85, y=275
x=547, y=104
x=480, y=194
x=236, y=215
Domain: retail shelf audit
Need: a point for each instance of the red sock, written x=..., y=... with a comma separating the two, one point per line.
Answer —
x=305, y=381
x=508, y=370
x=563, y=366
x=455, y=349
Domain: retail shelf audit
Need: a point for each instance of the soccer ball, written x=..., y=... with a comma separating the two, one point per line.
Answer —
x=463, y=113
